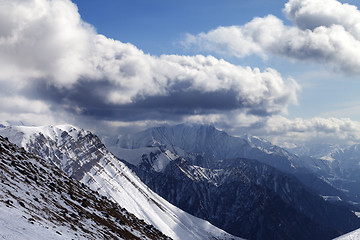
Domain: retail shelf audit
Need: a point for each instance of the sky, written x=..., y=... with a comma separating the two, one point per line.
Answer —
x=284, y=70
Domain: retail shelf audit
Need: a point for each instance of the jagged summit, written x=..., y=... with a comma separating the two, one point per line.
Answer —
x=185, y=135
x=210, y=141
x=20, y=135
x=182, y=135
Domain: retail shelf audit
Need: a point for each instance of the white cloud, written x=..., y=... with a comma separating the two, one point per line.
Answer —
x=49, y=54
x=18, y=104
x=284, y=131
x=135, y=74
x=324, y=31
x=308, y=14
x=43, y=39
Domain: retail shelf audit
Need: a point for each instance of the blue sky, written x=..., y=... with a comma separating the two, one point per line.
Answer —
x=157, y=26
x=284, y=70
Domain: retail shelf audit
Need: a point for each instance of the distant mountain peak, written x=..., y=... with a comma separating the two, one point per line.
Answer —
x=206, y=139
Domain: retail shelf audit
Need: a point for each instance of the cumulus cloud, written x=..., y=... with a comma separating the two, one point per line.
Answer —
x=277, y=129
x=286, y=132
x=43, y=39
x=48, y=54
x=324, y=31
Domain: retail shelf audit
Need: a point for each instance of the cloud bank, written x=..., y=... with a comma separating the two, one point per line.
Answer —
x=56, y=61
x=288, y=132
x=325, y=31
x=307, y=131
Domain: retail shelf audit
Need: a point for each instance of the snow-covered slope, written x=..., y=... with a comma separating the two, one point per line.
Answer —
x=354, y=235
x=39, y=201
x=82, y=155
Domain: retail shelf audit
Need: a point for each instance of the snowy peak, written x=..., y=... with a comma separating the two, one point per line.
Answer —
x=266, y=146
x=190, y=137
x=57, y=144
x=183, y=135
x=194, y=138
x=39, y=201
x=350, y=152
x=206, y=140
x=21, y=135
x=321, y=151
x=344, y=159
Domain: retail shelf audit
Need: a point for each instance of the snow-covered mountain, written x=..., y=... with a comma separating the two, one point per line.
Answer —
x=320, y=150
x=82, y=155
x=242, y=196
x=208, y=141
x=39, y=201
x=239, y=195
x=342, y=159
x=343, y=165
x=347, y=162
x=211, y=143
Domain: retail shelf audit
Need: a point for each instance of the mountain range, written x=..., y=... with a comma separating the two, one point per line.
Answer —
x=243, y=185
x=205, y=172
